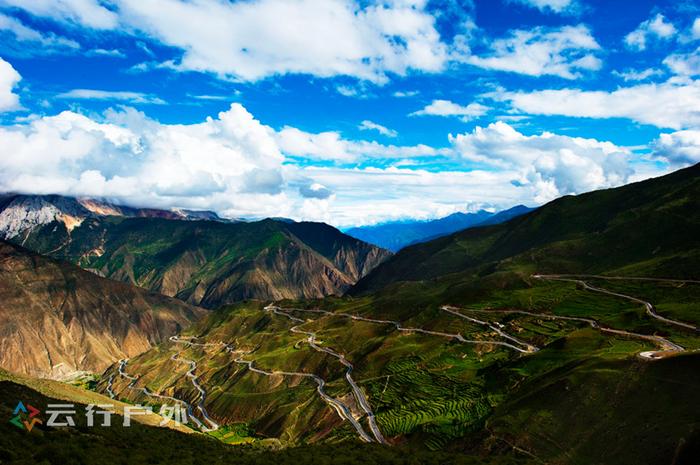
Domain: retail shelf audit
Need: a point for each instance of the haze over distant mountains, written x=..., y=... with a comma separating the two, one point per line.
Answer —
x=395, y=236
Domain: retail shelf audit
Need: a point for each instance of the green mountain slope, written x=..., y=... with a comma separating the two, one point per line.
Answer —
x=207, y=263
x=647, y=228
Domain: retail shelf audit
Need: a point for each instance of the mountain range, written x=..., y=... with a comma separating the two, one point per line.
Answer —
x=203, y=262
x=395, y=236
x=532, y=340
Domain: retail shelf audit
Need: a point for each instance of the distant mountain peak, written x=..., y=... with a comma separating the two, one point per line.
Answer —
x=396, y=235
x=22, y=212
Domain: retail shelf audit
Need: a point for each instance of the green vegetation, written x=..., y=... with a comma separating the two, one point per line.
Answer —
x=432, y=392
x=141, y=444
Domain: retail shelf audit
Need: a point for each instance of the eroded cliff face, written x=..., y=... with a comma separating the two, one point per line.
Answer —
x=56, y=319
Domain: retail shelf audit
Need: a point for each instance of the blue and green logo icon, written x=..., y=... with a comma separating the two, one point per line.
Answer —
x=25, y=417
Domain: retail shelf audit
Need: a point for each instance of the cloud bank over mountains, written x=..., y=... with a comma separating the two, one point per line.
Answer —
x=410, y=108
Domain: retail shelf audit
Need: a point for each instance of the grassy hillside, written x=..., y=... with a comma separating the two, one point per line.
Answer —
x=456, y=345
x=651, y=228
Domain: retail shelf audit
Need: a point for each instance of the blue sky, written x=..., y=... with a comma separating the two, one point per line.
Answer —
x=349, y=112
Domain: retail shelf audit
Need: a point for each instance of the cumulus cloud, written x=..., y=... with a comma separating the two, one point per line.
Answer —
x=124, y=96
x=678, y=148
x=553, y=165
x=448, y=108
x=239, y=167
x=9, y=77
x=556, y=6
x=695, y=29
x=654, y=28
x=563, y=52
x=315, y=190
x=368, y=125
x=673, y=104
x=330, y=145
x=229, y=163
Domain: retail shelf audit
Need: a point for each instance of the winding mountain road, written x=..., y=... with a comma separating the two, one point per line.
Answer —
x=145, y=391
x=651, y=311
x=194, y=379
x=357, y=391
x=341, y=409
x=494, y=327
x=110, y=385
x=400, y=327
x=666, y=345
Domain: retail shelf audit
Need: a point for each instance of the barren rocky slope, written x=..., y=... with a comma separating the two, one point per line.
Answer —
x=56, y=319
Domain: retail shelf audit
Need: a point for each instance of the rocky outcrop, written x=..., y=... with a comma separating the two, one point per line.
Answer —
x=56, y=319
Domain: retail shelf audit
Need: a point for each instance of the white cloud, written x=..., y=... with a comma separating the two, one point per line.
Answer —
x=673, y=104
x=331, y=146
x=684, y=64
x=557, y=6
x=563, y=52
x=107, y=53
x=237, y=166
x=695, y=30
x=368, y=125
x=638, y=75
x=654, y=28
x=679, y=148
x=230, y=163
x=222, y=98
x=398, y=193
x=349, y=91
x=551, y=164
x=250, y=41
x=448, y=108
x=85, y=12
x=9, y=77
x=125, y=96
x=405, y=93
